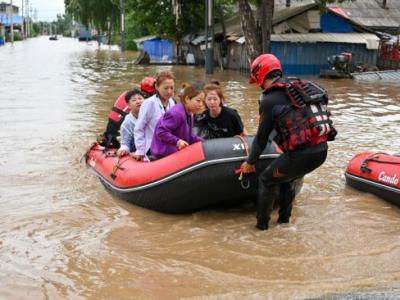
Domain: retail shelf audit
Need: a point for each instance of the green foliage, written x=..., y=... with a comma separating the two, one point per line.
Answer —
x=17, y=36
x=63, y=25
x=94, y=12
x=145, y=17
x=151, y=17
x=36, y=29
x=130, y=45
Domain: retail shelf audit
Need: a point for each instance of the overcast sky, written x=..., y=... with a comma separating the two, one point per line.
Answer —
x=47, y=10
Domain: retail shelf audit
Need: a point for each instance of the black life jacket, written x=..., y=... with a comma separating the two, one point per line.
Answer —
x=305, y=122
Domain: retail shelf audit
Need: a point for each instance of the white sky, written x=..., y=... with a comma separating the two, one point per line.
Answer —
x=47, y=10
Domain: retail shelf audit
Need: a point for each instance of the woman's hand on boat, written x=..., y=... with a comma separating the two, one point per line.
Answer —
x=138, y=157
x=122, y=152
x=182, y=144
x=247, y=168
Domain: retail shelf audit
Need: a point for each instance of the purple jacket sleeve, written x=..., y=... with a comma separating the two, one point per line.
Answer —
x=168, y=124
x=195, y=138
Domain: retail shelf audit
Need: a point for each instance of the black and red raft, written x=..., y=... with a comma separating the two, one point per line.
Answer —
x=376, y=173
x=199, y=176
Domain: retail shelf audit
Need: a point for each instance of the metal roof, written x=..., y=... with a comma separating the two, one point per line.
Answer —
x=286, y=14
x=145, y=38
x=370, y=40
x=370, y=12
x=281, y=4
x=384, y=76
x=281, y=13
x=200, y=39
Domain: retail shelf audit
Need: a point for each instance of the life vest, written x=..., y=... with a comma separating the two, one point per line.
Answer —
x=115, y=118
x=119, y=110
x=305, y=122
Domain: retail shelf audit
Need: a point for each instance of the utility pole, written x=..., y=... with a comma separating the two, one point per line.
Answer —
x=27, y=31
x=11, y=10
x=23, y=20
x=30, y=18
x=122, y=4
x=209, y=35
x=176, y=9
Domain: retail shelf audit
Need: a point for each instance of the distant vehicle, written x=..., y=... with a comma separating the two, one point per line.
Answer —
x=84, y=34
x=53, y=38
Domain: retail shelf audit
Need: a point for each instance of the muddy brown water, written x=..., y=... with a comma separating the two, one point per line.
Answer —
x=62, y=236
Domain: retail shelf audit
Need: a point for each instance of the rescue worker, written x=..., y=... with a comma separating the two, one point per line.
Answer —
x=120, y=110
x=302, y=131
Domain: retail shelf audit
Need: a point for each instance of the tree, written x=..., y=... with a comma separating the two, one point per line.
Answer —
x=253, y=47
x=100, y=14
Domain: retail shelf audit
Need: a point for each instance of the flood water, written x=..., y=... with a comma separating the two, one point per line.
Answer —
x=63, y=236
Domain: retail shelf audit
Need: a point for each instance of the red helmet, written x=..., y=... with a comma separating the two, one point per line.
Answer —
x=147, y=85
x=262, y=66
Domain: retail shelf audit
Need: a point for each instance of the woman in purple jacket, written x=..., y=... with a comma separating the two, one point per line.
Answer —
x=174, y=131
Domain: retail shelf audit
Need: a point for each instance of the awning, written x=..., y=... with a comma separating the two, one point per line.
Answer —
x=145, y=38
x=198, y=40
x=241, y=40
x=6, y=20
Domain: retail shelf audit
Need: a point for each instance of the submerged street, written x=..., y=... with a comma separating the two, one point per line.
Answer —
x=62, y=235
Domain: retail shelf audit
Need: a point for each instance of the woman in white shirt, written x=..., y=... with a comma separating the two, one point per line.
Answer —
x=151, y=111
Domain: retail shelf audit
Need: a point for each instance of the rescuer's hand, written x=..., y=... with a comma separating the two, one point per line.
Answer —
x=248, y=168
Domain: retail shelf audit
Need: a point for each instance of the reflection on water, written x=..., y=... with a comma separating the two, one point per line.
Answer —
x=62, y=235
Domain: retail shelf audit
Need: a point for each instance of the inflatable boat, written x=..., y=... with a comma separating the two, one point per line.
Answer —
x=201, y=175
x=376, y=173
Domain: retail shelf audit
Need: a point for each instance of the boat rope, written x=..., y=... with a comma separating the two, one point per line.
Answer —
x=118, y=166
x=375, y=158
x=243, y=177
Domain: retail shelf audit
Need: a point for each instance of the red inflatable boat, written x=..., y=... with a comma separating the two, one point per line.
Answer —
x=376, y=173
x=199, y=176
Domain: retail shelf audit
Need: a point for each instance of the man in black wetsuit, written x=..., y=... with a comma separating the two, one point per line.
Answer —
x=302, y=132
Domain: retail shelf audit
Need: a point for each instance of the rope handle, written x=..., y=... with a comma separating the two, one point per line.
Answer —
x=118, y=166
x=374, y=157
x=243, y=178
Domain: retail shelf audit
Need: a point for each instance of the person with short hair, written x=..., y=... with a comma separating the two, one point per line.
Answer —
x=174, y=131
x=120, y=110
x=134, y=99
